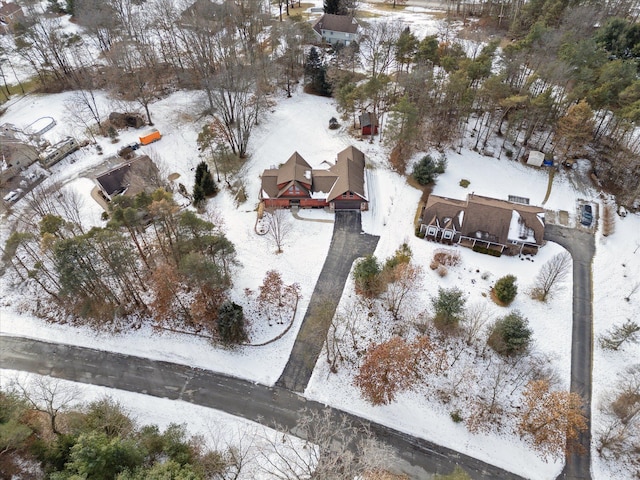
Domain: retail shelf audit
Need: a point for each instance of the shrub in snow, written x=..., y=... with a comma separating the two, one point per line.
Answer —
x=510, y=334
x=367, y=276
x=456, y=417
x=446, y=257
x=505, y=289
x=448, y=306
x=442, y=270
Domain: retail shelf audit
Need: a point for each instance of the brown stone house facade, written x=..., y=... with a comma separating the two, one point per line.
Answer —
x=503, y=226
x=296, y=184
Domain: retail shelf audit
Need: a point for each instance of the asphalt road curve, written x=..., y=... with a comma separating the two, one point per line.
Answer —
x=348, y=243
x=268, y=406
x=581, y=246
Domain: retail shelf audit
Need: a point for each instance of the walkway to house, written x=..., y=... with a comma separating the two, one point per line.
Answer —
x=347, y=244
x=295, y=210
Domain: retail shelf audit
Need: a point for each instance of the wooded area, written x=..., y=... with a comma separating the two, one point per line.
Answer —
x=550, y=75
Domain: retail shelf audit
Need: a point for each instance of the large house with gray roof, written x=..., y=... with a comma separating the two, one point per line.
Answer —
x=484, y=223
x=296, y=184
x=337, y=29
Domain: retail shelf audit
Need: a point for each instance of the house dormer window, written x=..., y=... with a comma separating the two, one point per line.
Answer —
x=448, y=234
x=432, y=231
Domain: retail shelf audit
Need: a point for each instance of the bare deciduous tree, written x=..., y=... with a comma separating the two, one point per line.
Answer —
x=334, y=448
x=47, y=395
x=552, y=272
x=621, y=407
x=402, y=280
x=278, y=227
x=475, y=317
x=277, y=301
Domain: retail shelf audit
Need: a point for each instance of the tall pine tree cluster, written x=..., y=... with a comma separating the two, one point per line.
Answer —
x=204, y=186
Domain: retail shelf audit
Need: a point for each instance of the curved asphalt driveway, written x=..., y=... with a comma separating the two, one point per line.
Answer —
x=581, y=246
x=268, y=406
x=347, y=244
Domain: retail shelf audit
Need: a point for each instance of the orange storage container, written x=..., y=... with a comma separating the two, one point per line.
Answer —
x=150, y=137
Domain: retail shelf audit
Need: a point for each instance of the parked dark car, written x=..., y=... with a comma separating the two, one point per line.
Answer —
x=587, y=215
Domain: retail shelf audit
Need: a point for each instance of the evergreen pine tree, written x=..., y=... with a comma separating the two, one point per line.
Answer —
x=209, y=187
x=200, y=169
x=511, y=334
x=231, y=326
x=332, y=7
x=198, y=196
x=316, y=73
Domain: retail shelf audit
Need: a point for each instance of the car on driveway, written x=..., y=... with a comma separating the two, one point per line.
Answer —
x=587, y=215
x=13, y=195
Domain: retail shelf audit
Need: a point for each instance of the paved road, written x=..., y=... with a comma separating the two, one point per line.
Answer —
x=347, y=244
x=416, y=458
x=581, y=246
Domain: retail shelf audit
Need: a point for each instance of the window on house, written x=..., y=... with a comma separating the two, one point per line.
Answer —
x=448, y=234
x=431, y=231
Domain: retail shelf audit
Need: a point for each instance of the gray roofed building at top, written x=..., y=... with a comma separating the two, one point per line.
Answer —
x=337, y=29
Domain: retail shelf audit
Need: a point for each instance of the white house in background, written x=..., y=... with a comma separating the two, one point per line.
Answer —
x=535, y=158
x=336, y=29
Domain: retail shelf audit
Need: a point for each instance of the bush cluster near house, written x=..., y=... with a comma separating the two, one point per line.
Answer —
x=393, y=283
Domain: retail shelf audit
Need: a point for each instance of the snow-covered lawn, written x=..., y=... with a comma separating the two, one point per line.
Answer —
x=301, y=124
x=292, y=127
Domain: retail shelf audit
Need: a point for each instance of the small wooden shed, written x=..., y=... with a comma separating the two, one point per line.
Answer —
x=368, y=123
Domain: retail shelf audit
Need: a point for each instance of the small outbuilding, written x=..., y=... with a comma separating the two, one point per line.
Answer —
x=535, y=158
x=368, y=123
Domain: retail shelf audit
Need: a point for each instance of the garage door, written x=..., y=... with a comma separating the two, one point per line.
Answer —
x=346, y=205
